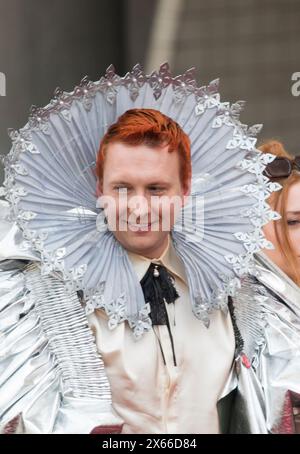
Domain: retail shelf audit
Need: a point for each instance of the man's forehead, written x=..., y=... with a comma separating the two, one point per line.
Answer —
x=129, y=177
x=119, y=152
x=133, y=163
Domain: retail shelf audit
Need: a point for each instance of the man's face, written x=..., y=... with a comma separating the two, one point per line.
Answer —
x=141, y=181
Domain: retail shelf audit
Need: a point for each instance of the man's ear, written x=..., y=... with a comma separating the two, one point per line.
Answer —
x=186, y=191
x=188, y=187
x=99, y=190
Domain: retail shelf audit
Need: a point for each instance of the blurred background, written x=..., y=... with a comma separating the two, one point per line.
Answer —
x=252, y=45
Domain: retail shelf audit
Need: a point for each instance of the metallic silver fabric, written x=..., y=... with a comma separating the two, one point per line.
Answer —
x=52, y=379
x=43, y=390
x=267, y=315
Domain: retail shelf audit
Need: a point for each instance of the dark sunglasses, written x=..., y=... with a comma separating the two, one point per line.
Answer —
x=282, y=167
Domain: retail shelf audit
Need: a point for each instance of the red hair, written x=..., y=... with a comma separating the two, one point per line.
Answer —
x=149, y=127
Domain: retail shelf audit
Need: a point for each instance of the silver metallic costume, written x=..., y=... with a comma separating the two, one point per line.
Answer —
x=266, y=311
x=55, y=249
x=51, y=377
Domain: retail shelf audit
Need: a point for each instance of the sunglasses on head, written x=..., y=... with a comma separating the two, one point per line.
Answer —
x=282, y=167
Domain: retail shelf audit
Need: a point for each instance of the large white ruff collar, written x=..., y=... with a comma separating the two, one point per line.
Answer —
x=50, y=186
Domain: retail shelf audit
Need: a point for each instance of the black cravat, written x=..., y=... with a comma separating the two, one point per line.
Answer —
x=158, y=288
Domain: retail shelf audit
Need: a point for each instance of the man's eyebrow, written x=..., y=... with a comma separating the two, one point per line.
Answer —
x=159, y=183
x=154, y=183
x=120, y=182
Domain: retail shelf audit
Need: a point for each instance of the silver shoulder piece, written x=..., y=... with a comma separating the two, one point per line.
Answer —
x=12, y=242
x=267, y=315
x=52, y=379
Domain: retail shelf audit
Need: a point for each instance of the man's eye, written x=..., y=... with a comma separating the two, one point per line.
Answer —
x=156, y=189
x=121, y=188
x=293, y=222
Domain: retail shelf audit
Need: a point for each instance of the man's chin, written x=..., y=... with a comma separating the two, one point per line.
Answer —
x=140, y=241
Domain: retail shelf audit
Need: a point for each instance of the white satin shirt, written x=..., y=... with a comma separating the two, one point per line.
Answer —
x=154, y=398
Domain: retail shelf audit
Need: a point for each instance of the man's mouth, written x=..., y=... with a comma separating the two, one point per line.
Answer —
x=136, y=227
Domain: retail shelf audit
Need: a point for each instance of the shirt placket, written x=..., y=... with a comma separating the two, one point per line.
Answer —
x=171, y=374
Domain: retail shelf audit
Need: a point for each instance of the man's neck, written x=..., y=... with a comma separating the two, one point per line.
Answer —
x=155, y=253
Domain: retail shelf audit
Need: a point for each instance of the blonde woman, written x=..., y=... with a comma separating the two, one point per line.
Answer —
x=270, y=366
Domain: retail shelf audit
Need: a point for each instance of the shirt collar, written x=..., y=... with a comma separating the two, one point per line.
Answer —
x=168, y=258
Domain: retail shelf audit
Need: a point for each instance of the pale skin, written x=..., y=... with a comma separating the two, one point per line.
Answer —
x=293, y=221
x=145, y=172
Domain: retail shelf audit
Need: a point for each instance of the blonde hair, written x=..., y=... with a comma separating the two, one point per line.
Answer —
x=278, y=201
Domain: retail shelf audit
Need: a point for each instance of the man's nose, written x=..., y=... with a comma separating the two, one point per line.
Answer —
x=139, y=205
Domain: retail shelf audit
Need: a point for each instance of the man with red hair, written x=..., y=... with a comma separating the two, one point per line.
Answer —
x=114, y=309
x=146, y=155
x=171, y=379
